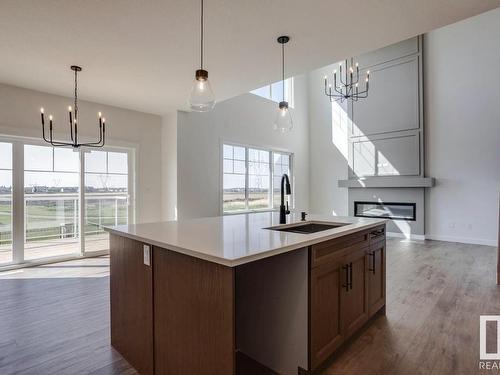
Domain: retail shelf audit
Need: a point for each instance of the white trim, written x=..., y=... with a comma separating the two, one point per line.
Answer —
x=18, y=228
x=467, y=240
x=417, y=237
x=81, y=202
x=50, y=260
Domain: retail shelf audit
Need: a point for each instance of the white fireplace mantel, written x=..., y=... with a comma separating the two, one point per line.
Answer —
x=388, y=182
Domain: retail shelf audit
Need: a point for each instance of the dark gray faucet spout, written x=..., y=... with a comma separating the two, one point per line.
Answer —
x=284, y=209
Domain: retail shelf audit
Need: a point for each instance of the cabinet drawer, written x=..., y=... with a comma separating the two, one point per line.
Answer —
x=377, y=234
x=327, y=251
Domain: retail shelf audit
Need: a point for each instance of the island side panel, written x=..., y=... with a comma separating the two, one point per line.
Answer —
x=272, y=311
x=194, y=315
x=131, y=290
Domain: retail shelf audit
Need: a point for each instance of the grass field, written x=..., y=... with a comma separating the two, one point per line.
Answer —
x=44, y=219
x=235, y=201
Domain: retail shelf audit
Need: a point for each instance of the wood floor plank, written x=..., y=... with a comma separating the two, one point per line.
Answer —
x=54, y=319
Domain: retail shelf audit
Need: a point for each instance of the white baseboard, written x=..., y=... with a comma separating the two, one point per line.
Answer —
x=474, y=241
x=418, y=237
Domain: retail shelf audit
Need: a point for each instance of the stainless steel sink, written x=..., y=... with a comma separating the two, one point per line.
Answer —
x=308, y=228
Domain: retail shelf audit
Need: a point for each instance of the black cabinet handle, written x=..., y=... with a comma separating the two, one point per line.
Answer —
x=376, y=233
x=372, y=256
x=350, y=275
x=346, y=285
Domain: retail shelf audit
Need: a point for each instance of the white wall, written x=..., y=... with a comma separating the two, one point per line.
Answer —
x=462, y=106
x=20, y=116
x=328, y=149
x=246, y=119
x=169, y=166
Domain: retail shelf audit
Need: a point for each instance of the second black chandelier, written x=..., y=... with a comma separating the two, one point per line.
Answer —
x=345, y=86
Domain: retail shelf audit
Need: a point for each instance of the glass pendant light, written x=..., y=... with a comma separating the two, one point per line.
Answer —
x=202, y=97
x=283, y=120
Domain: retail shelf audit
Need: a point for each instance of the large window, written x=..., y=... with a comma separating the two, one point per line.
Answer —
x=5, y=202
x=58, y=210
x=274, y=91
x=106, y=195
x=251, y=178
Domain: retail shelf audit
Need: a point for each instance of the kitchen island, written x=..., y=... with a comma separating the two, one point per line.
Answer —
x=216, y=295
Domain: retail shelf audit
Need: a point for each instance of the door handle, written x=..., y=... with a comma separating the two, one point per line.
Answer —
x=346, y=284
x=350, y=275
x=372, y=256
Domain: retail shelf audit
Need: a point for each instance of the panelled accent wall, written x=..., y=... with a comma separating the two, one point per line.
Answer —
x=386, y=129
x=386, y=134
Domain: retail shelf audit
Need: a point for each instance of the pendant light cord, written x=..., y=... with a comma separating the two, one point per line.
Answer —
x=283, y=68
x=201, y=32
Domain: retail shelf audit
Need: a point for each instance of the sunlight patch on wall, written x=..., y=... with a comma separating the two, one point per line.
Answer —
x=367, y=159
x=340, y=128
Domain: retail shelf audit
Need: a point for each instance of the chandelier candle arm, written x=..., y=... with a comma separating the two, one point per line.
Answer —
x=70, y=123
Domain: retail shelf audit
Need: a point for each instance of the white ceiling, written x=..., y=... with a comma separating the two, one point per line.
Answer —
x=142, y=54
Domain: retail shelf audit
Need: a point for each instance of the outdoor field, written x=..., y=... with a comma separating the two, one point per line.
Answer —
x=235, y=200
x=53, y=221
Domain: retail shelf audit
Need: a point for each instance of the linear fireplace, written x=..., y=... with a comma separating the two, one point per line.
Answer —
x=386, y=210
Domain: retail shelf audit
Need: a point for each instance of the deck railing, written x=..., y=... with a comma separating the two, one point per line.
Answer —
x=56, y=216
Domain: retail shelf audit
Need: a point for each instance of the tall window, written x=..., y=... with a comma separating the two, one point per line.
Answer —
x=274, y=91
x=5, y=202
x=51, y=201
x=106, y=195
x=250, y=175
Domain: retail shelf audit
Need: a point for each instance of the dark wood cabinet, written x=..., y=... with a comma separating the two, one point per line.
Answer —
x=354, y=309
x=347, y=287
x=325, y=293
x=376, y=276
x=193, y=315
x=176, y=314
x=131, y=286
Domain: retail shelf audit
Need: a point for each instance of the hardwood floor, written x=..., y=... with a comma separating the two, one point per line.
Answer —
x=435, y=294
x=54, y=319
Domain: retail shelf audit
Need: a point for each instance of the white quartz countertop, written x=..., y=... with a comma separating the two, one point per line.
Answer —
x=233, y=240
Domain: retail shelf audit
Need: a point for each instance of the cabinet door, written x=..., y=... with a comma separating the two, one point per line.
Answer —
x=193, y=315
x=131, y=287
x=354, y=308
x=376, y=277
x=326, y=332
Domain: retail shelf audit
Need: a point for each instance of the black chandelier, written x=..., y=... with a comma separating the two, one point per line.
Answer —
x=73, y=123
x=347, y=86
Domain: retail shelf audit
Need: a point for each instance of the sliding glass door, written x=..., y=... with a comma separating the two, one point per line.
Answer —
x=51, y=196
x=5, y=203
x=46, y=193
x=106, y=196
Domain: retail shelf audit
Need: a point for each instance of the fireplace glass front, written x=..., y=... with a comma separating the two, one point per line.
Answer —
x=386, y=210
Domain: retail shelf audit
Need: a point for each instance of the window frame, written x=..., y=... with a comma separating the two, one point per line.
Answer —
x=272, y=151
x=291, y=92
x=18, y=198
